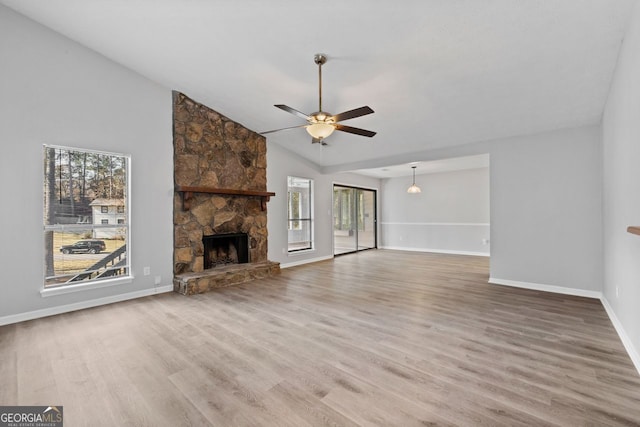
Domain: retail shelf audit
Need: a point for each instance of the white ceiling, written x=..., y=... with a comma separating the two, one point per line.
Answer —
x=437, y=73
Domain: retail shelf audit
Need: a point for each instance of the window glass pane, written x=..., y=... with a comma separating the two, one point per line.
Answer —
x=85, y=195
x=299, y=211
x=300, y=238
x=86, y=254
x=294, y=210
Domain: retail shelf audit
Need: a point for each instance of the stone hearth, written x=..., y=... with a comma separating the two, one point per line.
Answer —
x=233, y=274
x=212, y=152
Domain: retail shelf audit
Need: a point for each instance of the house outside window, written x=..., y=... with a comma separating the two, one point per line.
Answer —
x=299, y=213
x=112, y=216
x=85, y=216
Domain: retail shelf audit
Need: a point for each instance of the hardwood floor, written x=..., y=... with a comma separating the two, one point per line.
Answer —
x=375, y=338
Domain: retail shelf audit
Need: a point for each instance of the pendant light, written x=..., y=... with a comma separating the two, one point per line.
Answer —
x=414, y=188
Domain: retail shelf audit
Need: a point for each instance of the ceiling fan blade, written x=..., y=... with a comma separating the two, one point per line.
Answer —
x=357, y=131
x=278, y=130
x=352, y=114
x=293, y=111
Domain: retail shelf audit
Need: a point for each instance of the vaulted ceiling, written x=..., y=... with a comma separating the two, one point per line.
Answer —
x=437, y=73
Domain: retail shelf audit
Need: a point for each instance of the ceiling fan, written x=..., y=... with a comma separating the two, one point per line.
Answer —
x=322, y=124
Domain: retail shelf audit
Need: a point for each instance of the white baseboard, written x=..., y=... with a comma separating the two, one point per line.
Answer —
x=626, y=341
x=436, y=251
x=305, y=261
x=546, y=288
x=30, y=315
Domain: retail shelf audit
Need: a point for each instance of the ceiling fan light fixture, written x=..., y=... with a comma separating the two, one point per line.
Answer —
x=414, y=189
x=320, y=130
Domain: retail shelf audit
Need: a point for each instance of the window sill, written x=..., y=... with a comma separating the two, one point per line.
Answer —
x=301, y=252
x=60, y=290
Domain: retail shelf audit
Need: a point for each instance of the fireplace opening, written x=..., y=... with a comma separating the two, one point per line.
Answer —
x=224, y=249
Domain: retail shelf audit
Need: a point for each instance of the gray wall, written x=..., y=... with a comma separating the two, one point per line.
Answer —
x=621, y=152
x=546, y=209
x=451, y=214
x=55, y=91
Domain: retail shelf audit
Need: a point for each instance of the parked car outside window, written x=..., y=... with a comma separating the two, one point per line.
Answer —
x=84, y=246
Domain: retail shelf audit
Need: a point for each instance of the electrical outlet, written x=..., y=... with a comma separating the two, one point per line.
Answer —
x=147, y=271
x=158, y=280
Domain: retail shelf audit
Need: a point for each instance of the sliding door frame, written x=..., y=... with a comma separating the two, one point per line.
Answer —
x=374, y=192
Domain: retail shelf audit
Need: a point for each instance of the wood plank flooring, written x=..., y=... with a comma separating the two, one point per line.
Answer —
x=378, y=338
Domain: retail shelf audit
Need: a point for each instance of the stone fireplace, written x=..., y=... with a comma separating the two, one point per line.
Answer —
x=220, y=200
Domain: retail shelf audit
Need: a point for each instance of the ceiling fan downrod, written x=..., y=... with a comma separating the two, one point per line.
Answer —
x=319, y=59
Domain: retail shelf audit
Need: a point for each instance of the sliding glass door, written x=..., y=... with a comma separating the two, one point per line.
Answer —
x=354, y=219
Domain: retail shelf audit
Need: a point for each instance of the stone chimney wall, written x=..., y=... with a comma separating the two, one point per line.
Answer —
x=211, y=150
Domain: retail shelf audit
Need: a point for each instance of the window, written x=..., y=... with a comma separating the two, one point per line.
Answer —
x=300, y=225
x=82, y=241
x=120, y=221
x=120, y=209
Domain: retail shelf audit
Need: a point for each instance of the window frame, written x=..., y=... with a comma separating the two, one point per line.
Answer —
x=296, y=224
x=125, y=229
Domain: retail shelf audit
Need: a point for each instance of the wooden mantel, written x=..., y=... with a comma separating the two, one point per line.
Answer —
x=634, y=229
x=187, y=194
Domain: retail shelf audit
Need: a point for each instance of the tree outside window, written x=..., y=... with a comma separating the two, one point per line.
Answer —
x=294, y=210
